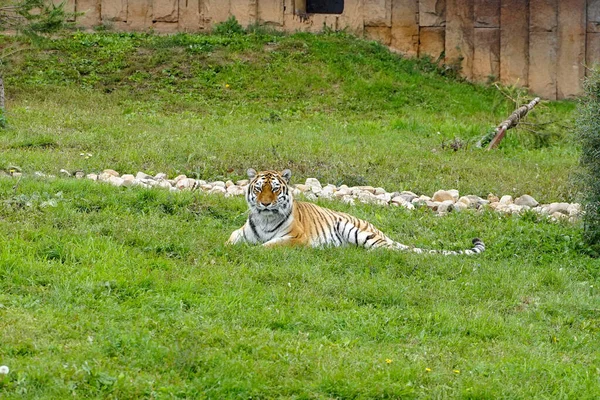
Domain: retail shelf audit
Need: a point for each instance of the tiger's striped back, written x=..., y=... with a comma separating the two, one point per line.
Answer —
x=276, y=219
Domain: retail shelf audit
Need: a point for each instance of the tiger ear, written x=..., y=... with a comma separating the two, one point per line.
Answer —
x=287, y=174
x=251, y=173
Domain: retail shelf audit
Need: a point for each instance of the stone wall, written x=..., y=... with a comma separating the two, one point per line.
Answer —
x=545, y=45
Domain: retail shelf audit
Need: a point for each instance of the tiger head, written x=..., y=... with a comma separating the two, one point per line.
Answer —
x=268, y=191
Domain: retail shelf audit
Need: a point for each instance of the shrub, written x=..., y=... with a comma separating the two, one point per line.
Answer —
x=230, y=27
x=588, y=131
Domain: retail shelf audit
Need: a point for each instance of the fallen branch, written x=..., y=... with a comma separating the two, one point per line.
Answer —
x=512, y=121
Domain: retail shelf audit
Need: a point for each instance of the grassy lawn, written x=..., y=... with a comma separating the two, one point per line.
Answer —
x=130, y=293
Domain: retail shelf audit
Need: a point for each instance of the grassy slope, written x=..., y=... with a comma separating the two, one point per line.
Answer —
x=130, y=293
x=330, y=107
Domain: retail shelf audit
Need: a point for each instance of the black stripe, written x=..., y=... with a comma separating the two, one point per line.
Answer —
x=337, y=233
x=320, y=225
x=253, y=227
x=287, y=217
x=371, y=236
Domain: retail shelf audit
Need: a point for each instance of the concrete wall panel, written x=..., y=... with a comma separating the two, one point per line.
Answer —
x=432, y=41
x=460, y=35
x=165, y=11
x=514, y=42
x=114, y=10
x=593, y=50
x=432, y=12
x=593, y=15
x=487, y=13
x=486, y=54
x=571, y=47
x=405, y=27
x=378, y=12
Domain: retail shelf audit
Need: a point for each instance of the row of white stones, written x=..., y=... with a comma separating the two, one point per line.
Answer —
x=441, y=202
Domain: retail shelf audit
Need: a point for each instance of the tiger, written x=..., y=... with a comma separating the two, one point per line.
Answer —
x=276, y=219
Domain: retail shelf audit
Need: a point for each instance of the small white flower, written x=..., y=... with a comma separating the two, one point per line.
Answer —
x=3, y=369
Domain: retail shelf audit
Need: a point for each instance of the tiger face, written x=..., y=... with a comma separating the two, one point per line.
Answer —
x=268, y=191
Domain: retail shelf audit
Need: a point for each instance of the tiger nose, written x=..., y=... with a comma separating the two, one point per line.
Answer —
x=265, y=204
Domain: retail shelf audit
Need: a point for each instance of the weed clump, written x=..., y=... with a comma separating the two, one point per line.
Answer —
x=230, y=27
x=588, y=131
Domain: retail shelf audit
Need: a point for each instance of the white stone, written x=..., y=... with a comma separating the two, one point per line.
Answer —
x=313, y=182
x=110, y=172
x=93, y=177
x=128, y=177
x=574, y=209
x=149, y=181
x=341, y=192
x=142, y=175
x=128, y=182
x=104, y=177
x=79, y=174
x=562, y=208
x=400, y=200
x=492, y=198
x=366, y=197
x=229, y=183
x=369, y=189
x=442, y=195
x=445, y=206
x=180, y=177
x=165, y=184
x=379, y=190
x=559, y=216
x=384, y=197
x=460, y=206
x=514, y=208
x=242, y=182
x=296, y=192
x=217, y=190
x=303, y=188
x=465, y=201
x=526, y=200
x=4, y=369
x=218, y=183
x=185, y=183
x=408, y=196
x=506, y=199
x=115, y=180
x=327, y=192
x=454, y=193
x=64, y=172
x=235, y=190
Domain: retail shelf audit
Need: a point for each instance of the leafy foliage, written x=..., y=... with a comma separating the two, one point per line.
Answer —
x=32, y=17
x=588, y=128
x=231, y=26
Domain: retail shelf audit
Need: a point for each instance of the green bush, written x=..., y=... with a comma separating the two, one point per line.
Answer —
x=589, y=136
x=230, y=27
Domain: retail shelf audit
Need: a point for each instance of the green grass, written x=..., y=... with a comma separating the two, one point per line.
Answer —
x=131, y=293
